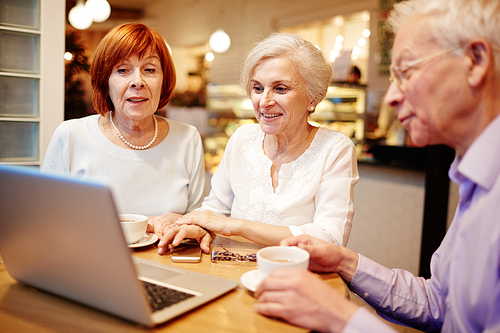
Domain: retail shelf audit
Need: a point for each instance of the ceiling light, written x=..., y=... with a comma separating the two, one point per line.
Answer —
x=366, y=16
x=99, y=9
x=219, y=41
x=334, y=54
x=356, y=52
x=79, y=16
x=209, y=56
x=338, y=21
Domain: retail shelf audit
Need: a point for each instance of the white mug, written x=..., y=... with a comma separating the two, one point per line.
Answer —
x=279, y=257
x=134, y=226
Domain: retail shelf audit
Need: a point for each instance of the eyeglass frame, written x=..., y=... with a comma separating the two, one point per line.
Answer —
x=396, y=73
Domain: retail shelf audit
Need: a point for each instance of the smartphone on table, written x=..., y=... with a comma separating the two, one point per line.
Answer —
x=187, y=251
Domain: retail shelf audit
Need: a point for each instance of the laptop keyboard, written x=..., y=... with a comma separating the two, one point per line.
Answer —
x=161, y=297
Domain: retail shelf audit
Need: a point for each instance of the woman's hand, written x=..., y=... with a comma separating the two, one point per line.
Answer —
x=160, y=224
x=302, y=299
x=260, y=233
x=211, y=221
x=176, y=235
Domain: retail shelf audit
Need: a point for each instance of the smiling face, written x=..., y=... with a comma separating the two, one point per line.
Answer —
x=135, y=86
x=434, y=96
x=279, y=97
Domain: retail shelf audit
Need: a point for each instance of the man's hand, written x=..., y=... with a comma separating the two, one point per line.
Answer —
x=303, y=299
x=326, y=257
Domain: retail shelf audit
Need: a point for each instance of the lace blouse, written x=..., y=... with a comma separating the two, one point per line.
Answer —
x=314, y=195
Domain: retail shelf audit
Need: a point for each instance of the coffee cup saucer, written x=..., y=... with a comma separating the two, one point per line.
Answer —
x=147, y=239
x=250, y=280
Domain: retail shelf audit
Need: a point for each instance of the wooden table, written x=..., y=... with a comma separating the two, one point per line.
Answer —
x=24, y=309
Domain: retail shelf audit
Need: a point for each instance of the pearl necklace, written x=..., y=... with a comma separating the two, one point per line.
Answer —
x=128, y=143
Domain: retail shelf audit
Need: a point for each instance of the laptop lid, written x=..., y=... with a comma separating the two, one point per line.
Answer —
x=62, y=235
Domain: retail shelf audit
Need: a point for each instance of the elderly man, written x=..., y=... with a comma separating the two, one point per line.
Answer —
x=446, y=88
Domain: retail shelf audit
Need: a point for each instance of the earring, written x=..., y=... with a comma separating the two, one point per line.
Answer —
x=311, y=108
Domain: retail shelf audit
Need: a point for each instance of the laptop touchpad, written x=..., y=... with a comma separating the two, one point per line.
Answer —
x=155, y=272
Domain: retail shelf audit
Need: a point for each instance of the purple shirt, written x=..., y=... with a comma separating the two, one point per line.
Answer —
x=463, y=294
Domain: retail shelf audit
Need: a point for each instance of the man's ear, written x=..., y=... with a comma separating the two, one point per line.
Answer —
x=479, y=60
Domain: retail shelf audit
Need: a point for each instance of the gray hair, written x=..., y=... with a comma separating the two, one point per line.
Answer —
x=309, y=60
x=454, y=22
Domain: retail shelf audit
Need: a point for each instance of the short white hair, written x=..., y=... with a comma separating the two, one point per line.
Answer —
x=311, y=63
x=454, y=22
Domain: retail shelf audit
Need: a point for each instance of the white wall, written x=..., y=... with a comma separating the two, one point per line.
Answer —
x=387, y=225
x=53, y=19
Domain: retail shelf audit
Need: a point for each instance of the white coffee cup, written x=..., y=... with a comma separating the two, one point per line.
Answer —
x=134, y=226
x=279, y=257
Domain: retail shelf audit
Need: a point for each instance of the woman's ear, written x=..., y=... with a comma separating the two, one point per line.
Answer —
x=479, y=60
x=312, y=107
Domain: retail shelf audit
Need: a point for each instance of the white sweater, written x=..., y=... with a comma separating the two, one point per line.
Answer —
x=169, y=177
x=314, y=195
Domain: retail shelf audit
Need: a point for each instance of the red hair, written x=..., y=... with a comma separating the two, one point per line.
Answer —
x=124, y=41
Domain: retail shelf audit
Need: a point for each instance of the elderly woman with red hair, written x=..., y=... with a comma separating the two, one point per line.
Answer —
x=153, y=165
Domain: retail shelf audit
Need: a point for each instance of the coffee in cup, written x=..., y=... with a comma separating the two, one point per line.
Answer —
x=134, y=226
x=281, y=257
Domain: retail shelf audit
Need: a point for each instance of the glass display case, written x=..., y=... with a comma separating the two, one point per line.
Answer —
x=228, y=107
x=19, y=81
x=343, y=110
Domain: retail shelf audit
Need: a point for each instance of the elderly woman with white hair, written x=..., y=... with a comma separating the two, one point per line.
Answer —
x=283, y=176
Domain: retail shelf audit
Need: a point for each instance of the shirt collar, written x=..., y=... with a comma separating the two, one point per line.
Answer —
x=481, y=162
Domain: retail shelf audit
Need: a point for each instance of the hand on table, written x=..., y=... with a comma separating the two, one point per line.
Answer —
x=160, y=224
x=260, y=233
x=209, y=220
x=304, y=300
x=176, y=235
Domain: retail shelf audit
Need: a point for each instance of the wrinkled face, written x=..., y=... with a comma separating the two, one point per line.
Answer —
x=279, y=97
x=135, y=86
x=432, y=95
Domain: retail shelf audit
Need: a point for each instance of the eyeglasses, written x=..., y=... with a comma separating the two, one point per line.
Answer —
x=397, y=74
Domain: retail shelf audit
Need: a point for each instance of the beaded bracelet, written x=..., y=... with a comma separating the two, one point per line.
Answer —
x=227, y=255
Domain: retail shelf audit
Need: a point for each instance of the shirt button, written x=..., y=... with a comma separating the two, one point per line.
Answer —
x=366, y=295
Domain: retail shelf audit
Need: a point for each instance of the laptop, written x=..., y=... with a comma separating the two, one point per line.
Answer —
x=62, y=235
